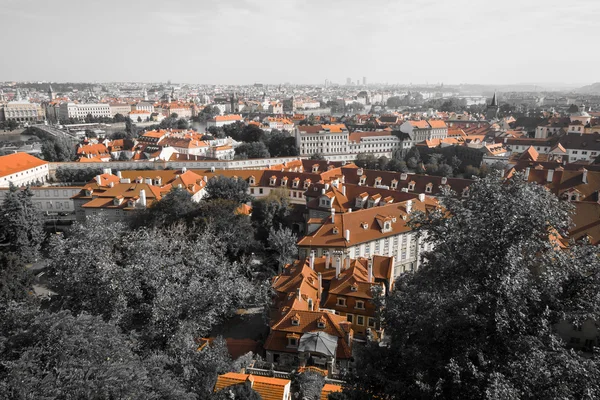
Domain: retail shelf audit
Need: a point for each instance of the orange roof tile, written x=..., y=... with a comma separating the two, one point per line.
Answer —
x=17, y=162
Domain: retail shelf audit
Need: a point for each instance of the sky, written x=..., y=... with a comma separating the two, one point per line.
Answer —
x=300, y=41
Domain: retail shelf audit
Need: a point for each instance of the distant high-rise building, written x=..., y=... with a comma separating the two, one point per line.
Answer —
x=364, y=81
x=348, y=81
x=358, y=82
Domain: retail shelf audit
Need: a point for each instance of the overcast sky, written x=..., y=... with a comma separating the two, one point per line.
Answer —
x=304, y=41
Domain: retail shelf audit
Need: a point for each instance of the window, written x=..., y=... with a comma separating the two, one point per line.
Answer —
x=360, y=305
x=293, y=342
x=360, y=320
x=371, y=322
x=260, y=191
x=341, y=301
x=251, y=190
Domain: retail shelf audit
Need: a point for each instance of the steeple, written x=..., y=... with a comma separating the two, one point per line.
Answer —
x=51, y=93
x=494, y=102
x=491, y=111
x=145, y=95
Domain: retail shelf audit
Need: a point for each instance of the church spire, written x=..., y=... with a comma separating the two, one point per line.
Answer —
x=494, y=102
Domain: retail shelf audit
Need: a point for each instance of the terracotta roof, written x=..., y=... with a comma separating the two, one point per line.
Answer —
x=17, y=162
x=329, y=388
x=230, y=117
x=325, y=236
x=268, y=388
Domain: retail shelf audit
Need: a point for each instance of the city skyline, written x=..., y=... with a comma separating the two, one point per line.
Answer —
x=269, y=42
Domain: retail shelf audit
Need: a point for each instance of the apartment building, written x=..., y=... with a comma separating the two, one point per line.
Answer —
x=80, y=111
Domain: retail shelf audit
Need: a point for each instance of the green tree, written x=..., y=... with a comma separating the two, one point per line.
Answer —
x=161, y=283
x=252, y=150
x=59, y=356
x=15, y=279
x=174, y=207
x=282, y=244
x=221, y=187
x=307, y=386
x=476, y=320
x=252, y=133
x=269, y=213
x=21, y=224
x=234, y=230
x=317, y=156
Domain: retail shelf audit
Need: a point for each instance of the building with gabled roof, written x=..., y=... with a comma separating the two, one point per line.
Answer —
x=268, y=388
x=116, y=195
x=22, y=169
x=381, y=230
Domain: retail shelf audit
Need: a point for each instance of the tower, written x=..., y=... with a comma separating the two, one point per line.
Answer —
x=491, y=111
x=51, y=93
x=145, y=95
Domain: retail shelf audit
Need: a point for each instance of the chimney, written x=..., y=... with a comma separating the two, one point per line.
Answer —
x=338, y=267
x=312, y=260
x=328, y=260
x=422, y=197
x=327, y=186
x=333, y=215
x=344, y=190
x=299, y=294
x=119, y=175
x=106, y=171
x=205, y=178
x=409, y=206
x=143, y=197
x=527, y=173
x=320, y=285
x=183, y=170
x=347, y=235
x=370, y=270
x=323, y=191
x=584, y=177
x=98, y=180
x=550, y=175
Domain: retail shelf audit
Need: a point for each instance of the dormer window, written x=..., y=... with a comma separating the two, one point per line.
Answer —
x=378, y=181
x=295, y=320
x=403, y=176
x=306, y=184
x=394, y=184
x=411, y=185
x=321, y=323
x=284, y=182
x=335, y=230
x=428, y=188
x=252, y=180
x=359, y=171
x=341, y=301
x=88, y=192
x=362, y=180
x=365, y=225
x=353, y=288
x=272, y=180
x=444, y=180
x=315, y=168
x=295, y=183
x=465, y=192
x=387, y=226
x=292, y=342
